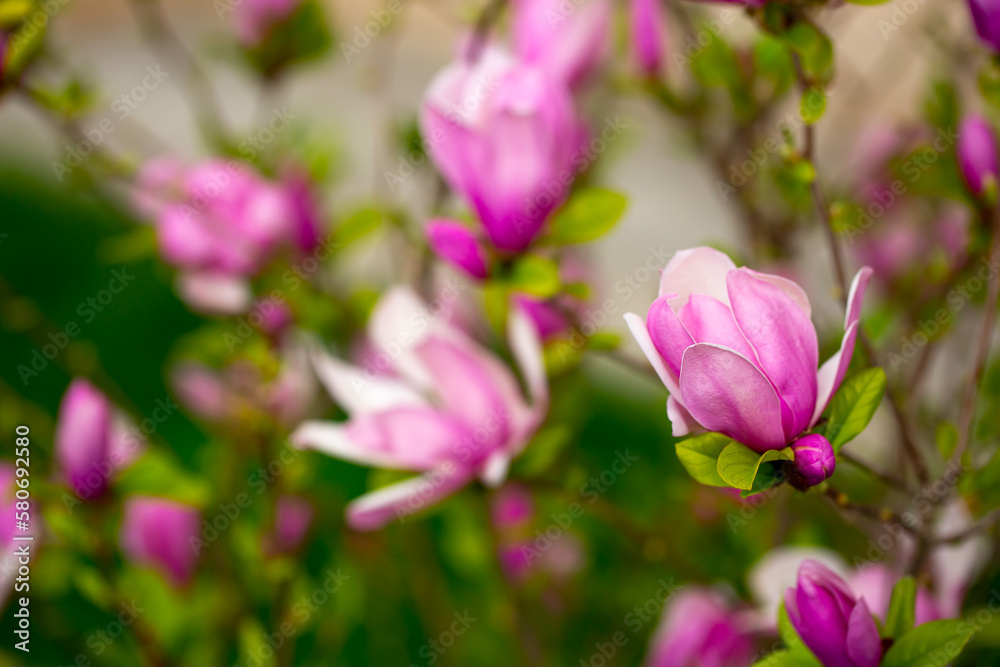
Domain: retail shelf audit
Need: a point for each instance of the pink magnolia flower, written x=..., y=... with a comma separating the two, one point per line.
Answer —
x=91, y=439
x=986, y=17
x=222, y=218
x=977, y=153
x=256, y=18
x=649, y=34
x=503, y=135
x=158, y=533
x=698, y=628
x=448, y=409
x=567, y=40
x=458, y=245
x=737, y=350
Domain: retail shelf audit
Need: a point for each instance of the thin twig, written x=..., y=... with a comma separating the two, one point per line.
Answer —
x=886, y=478
x=966, y=422
x=982, y=524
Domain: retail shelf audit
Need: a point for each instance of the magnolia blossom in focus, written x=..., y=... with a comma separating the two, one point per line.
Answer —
x=503, y=134
x=649, y=34
x=567, y=40
x=91, y=440
x=445, y=407
x=159, y=533
x=837, y=626
x=738, y=352
x=977, y=153
x=220, y=222
x=256, y=18
x=986, y=16
x=698, y=629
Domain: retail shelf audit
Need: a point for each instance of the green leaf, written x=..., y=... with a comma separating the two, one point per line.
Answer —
x=358, y=225
x=854, y=405
x=944, y=639
x=738, y=464
x=902, y=608
x=788, y=659
x=813, y=105
x=543, y=451
x=814, y=49
x=773, y=63
x=589, y=214
x=538, y=276
x=699, y=456
x=946, y=438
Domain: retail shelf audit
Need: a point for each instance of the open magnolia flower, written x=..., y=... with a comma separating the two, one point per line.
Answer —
x=738, y=352
x=441, y=405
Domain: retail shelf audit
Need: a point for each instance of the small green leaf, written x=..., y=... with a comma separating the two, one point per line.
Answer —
x=589, y=214
x=854, y=405
x=538, y=276
x=946, y=438
x=788, y=659
x=943, y=639
x=543, y=451
x=604, y=340
x=699, y=456
x=813, y=105
x=814, y=49
x=357, y=226
x=902, y=608
x=773, y=63
x=738, y=464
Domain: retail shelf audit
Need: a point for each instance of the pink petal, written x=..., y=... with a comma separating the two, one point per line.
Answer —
x=456, y=244
x=709, y=320
x=668, y=333
x=699, y=270
x=856, y=296
x=784, y=339
x=864, y=646
x=789, y=287
x=680, y=419
x=637, y=326
x=359, y=393
x=374, y=510
x=832, y=372
x=215, y=293
x=725, y=392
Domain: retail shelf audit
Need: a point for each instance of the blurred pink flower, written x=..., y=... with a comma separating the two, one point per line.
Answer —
x=458, y=245
x=986, y=17
x=698, y=629
x=448, y=409
x=875, y=582
x=649, y=34
x=91, y=440
x=568, y=40
x=977, y=153
x=547, y=317
x=512, y=505
x=292, y=518
x=503, y=135
x=256, y=18
x=158, y=533
x=223, y=219
x=737, y=350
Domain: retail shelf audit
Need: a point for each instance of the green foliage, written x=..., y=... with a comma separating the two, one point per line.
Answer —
x=743, y=468
x=946, y=639
x=814, y=50
x=303, y=36
x=588, y=215
x=899, y=619
x=700, y=457
x=854, y=406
